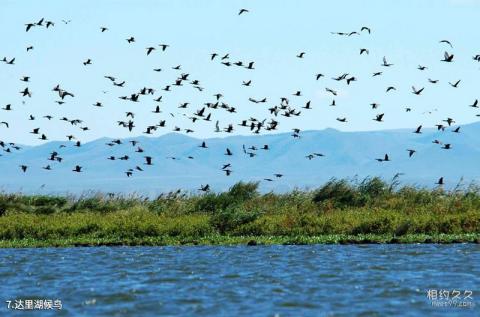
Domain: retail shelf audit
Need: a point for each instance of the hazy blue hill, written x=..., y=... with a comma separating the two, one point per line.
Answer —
x=347, y=154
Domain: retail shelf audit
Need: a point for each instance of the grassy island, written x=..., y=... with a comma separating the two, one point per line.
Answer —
x=341, y=211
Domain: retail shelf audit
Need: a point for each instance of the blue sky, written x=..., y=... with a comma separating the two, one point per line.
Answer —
x=271, y=34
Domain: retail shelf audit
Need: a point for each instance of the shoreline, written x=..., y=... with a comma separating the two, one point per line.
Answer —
x=224, y=240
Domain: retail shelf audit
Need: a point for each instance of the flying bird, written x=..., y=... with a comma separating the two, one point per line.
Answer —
x=149, y=50
x=204, y=188
x=455, y=85
x=417, y=91
x=446, y=42
x=440, y=182
x=385, y=63
x=447, y=57
x=148, y=160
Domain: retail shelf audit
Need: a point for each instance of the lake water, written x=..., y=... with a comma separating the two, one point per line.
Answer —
x=316, y=280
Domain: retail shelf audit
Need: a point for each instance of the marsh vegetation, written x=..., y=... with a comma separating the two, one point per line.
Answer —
x=340, y=211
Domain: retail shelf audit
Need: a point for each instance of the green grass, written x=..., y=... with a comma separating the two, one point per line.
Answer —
x=368, y=211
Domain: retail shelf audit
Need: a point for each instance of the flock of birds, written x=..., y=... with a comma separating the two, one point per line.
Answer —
x=213, y=103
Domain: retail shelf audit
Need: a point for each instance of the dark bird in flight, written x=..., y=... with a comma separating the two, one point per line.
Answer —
x=301, y=55
x=333, y=92
x=447, y=42
x=385, y=63
x=24, y=168
x=341, y=77
x=307, y=105
x=379, y=117
x=148, y=160
x=455, y=85
x=250, y=66
x=77, y=169
x=26, y=92
x=243, y=11
x=417, y=92
x=418, y=130
x=385, y=159
x=440, y=181
x=364, y=28
x=149, y=50
x=449, y=121
x=29, y=26
x=204, y=188
x=411, y=152
x=49, y=23
x=447, y=57
x=11, y=62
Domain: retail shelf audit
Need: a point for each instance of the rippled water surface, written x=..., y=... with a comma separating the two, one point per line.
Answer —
x=318, y=280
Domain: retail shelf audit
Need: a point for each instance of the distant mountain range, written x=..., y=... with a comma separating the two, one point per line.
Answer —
x=346, y=155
